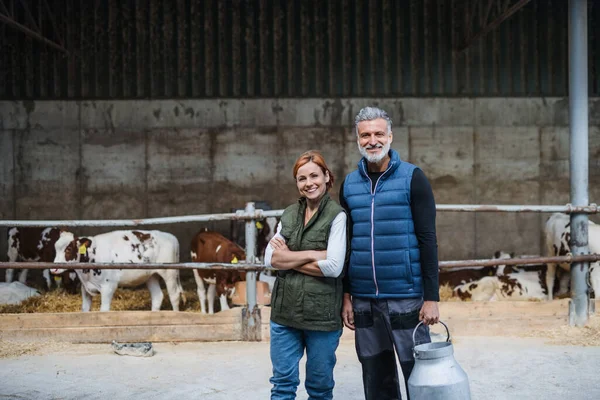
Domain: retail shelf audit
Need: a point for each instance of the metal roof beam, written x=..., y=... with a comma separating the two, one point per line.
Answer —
x=14, y=24
x=29, y=16
x=504, y=12
x=34, y=31
x=54, y=24
x=3, y=6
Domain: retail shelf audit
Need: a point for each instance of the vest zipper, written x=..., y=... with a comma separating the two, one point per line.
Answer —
x=373, y=190
x=373, y=243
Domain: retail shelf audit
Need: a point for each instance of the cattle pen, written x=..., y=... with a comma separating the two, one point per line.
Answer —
x=250, y=322
x=115, y=112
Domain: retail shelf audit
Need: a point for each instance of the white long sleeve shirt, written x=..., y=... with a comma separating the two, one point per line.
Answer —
x=333, y=266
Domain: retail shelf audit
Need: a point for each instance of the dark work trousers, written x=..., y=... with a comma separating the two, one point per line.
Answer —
x=381, y=326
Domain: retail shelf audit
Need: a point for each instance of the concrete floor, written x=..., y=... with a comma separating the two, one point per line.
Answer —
x=498, y=368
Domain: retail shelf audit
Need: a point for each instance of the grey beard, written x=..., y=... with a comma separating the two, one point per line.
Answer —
x=374, y=158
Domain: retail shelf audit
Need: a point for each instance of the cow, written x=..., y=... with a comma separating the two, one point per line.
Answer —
x=266, y=230
x=459, y=276
x=557, y=233
x=523, y=285
x=507, y=284
x=207, y=247
x=122, y=246
x=36, y=245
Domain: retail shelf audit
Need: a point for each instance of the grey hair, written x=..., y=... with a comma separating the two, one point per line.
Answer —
x=371, y=113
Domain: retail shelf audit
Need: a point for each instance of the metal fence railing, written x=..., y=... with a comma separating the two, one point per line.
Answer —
x=260, y=214
x=251, y=215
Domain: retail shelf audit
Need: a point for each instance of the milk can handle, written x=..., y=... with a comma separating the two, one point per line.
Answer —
x=419, y=324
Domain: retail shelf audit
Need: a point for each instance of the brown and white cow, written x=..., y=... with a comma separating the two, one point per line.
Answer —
x=36, y=245
x=509, y=283
x=522, y=285
x=206, y=247
x=122, y=247
x=459, y=276
x=557, y=236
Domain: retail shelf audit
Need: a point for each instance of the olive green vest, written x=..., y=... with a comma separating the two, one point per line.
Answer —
x=301, y=301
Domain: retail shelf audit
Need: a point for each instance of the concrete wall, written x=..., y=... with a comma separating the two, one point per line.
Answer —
x=136, y=159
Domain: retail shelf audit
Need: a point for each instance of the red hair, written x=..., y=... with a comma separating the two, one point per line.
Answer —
x=317, y=158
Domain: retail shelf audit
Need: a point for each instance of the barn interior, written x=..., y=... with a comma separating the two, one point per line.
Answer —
x=139, y=109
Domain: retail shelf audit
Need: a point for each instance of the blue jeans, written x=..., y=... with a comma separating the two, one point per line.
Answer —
x=287, y=348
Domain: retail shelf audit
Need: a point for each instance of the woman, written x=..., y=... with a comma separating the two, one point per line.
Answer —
x=308, y=249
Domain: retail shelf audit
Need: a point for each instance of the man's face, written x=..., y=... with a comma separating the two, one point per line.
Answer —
x=373, y=139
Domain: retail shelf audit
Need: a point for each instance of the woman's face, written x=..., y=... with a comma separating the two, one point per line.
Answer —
x=311, y=181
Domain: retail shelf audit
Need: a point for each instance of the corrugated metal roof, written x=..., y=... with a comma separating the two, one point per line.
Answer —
x=261, y=48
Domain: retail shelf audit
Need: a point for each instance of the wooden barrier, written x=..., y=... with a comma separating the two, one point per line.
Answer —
x=123, y=326
x=462, y=318
x=501, y=318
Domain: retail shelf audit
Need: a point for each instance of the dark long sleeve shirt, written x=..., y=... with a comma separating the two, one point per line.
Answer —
x=422, y=205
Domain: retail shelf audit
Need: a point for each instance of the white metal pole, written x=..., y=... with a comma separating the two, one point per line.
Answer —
x=578, y=162
x=250, y=258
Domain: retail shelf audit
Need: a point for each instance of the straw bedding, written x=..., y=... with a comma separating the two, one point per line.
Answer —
x=124, y=299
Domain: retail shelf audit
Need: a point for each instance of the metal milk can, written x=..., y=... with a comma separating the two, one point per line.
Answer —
x=437, y=375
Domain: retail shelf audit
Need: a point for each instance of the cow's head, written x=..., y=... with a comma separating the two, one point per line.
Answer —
x=463, y=291
x=230, y=252
x=503, y=269
x=226, y=287
x=46, y=244
x=71, y=249
x=237, y=254
x=502, y=255
x=266, y=230
x=226, y=283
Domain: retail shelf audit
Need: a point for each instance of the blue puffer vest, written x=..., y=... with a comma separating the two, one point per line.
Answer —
x=384, y=262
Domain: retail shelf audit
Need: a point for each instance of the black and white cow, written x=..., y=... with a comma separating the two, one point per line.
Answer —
x=557, y=237
x=122, y=247
x=459, y=276
x=36, y=245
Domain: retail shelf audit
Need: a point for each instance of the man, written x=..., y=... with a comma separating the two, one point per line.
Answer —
x=392, y=273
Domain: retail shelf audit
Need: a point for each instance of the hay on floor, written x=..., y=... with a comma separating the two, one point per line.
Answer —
x=588, y=335
x=57, y=301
